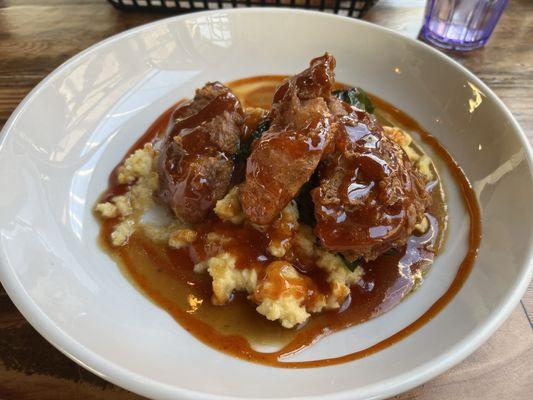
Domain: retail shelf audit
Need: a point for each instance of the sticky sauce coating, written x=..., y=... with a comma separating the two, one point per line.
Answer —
x=166, y=275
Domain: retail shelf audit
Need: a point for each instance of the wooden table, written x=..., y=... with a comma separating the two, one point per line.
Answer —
x=38, y=35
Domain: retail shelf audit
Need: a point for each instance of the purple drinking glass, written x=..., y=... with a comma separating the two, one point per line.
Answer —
x=461, y=24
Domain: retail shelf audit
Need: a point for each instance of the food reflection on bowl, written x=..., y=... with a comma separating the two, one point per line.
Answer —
x=275, y=210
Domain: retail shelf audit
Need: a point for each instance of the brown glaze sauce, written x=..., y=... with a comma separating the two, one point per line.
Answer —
x=373, y=225
x=189, y=186
x=166, y=275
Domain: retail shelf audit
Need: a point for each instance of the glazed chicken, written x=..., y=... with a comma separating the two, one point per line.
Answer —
x=195, y=163
x=370, y=197
x=288, y=153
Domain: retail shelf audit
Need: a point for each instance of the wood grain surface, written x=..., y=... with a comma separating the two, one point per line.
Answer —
x=36, y=36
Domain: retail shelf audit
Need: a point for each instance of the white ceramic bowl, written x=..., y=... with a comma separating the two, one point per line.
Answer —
x=60, y=144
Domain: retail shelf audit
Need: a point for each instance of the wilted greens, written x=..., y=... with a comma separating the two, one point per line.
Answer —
x=355, y=97
x=246, y=146
x=306, y=207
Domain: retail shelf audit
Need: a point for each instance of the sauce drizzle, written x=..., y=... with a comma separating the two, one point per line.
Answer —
x=186, y=295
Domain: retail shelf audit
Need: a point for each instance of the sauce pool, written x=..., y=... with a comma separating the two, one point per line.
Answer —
x=166, y=275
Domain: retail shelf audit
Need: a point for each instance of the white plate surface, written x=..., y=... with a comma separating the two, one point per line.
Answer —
x=59, y=146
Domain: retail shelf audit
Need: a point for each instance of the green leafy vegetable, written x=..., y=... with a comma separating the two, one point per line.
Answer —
x=246, y=146
x=390, y=252
x=355, y=97
x=350, y=265
x=306, y=207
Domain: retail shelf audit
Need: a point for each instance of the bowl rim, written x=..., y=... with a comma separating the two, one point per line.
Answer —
x=139, y=384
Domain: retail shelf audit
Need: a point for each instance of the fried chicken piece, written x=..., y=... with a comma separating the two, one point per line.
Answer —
x=284, y=158
x=195, y=159
x=370, y=196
